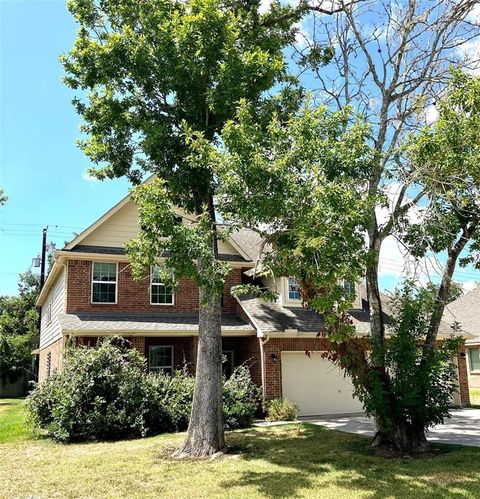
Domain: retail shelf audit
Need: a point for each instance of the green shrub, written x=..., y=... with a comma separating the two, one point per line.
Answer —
x=104, y=393
x=281, y=410
x=100, y=393
x=175, y=393
x=240, y=399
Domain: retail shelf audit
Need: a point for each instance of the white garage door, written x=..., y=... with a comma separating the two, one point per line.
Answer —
x=316, y=385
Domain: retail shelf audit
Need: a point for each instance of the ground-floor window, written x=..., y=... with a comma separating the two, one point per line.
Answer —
x=160, y=359
x=474, y=359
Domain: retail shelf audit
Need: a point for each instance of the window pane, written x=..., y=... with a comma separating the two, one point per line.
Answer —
x=349, y=287
x=293, y=289
x=106, y=272
x=156, y=275
x=103, y=292
x=162, y=294
x=474, y=359
x=160, y=358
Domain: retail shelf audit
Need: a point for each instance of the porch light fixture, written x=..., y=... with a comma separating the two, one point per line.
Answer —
x=274, y=358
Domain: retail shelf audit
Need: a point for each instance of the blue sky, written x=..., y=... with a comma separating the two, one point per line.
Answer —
x=41, y=169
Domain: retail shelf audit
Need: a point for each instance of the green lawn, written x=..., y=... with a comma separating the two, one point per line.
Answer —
x=12, y=421
x=475, y=396
x=283, y=461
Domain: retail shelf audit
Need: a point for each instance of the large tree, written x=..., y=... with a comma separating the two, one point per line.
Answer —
x=18, y=327
x=154, y=76
x=391, y=65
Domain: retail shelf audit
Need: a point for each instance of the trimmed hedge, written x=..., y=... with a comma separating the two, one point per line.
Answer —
x=105, y=393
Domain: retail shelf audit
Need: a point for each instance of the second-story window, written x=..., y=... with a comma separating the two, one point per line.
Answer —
x=160, y=293
x=349, y=287
x=104, y=282
x=293, y=289
x=49, y=313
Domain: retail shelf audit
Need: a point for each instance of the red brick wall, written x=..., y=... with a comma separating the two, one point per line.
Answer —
x=463, y=376
x=56, y=357
x=134, y=296
x=249, y=353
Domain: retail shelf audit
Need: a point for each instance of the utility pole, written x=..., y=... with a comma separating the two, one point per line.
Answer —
x=42, y=262
x=35, y=359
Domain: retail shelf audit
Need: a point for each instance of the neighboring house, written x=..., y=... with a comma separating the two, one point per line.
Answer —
x=90, y=293
x=465, y=312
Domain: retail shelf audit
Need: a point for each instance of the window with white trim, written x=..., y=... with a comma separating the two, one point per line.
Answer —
x=49, y=313
x=160, y=293
x=104, y=282
x=474, y=359
x=293, y=289
x=160, y=359
x=349, y=287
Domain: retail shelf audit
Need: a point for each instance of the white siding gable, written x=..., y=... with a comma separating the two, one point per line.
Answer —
x=54, y=305
x=123, y=225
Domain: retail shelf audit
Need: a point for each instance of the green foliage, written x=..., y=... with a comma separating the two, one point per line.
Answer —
x=419, y=392
x=445, y=158
x=100, y=393
x=18, y=314
x=281, y=410
x=18, y=327
x=154, y=67
x=187, y=243
x=240, y=399
x=105, y=393
x=301, y=174
x=15, y=356
x=175, y=393
x=158, y=77
x=254, y=291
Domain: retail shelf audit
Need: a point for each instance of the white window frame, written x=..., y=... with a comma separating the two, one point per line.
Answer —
x=92, y=282
x=152, y=270
x=157, y=369
x=49, y=313
x=286, y=300
x=470, y=367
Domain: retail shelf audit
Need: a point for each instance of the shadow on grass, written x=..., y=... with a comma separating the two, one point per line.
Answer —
x=309, y=456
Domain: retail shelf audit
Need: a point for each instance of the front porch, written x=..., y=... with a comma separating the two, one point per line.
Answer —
x=169, y=353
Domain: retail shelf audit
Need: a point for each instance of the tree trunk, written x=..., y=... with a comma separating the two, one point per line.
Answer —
x=401, y=438
x=205, y=434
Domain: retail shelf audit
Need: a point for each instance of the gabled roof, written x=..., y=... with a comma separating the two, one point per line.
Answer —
x=102, y=219
x=250, y=241
x=465, y=310
x=274, y=318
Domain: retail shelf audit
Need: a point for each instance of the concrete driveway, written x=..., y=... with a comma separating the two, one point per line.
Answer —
x=463, y=428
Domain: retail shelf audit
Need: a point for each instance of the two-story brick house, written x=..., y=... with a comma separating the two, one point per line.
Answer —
x=90, y=293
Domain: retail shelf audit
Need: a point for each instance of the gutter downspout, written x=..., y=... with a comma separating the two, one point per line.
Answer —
x=262, y=343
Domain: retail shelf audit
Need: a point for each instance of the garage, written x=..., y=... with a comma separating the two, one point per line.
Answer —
x=316, y=385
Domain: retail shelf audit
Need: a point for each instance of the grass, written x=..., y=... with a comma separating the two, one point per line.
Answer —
x=475, y=396
x=278, y=462
x=12, y=421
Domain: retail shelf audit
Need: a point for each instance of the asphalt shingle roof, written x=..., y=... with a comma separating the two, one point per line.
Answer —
x=273, y=317
x=107, y=250
x=120, y=322
x=466, y=311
